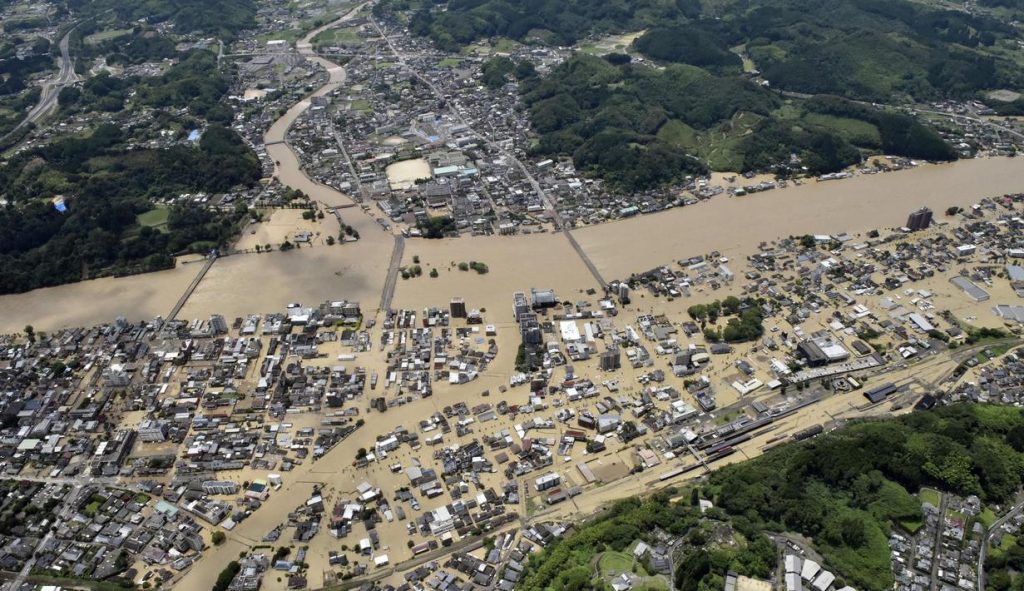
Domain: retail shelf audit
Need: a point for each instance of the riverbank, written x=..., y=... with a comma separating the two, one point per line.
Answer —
x=737, y=225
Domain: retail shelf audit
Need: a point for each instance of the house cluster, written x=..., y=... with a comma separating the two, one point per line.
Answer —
x=1000, y=381
x=943, y=552
x=422, y=349
x=99, y=532
x=965, y=129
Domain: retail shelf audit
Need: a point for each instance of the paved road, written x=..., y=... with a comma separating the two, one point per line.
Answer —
x=988, y=537
x=51, y=88
x=456, y=110
x=66, y=513
x=210, y=260
x=975, y=119
x=937, y=548
x=392, y=278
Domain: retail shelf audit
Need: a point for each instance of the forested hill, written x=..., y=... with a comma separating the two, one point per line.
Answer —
x=881, y=50
x=845, y=491
x=107, y=187
x=639, y=127
x=224, y=18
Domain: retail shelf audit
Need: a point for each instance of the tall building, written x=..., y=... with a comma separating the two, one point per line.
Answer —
x=529, y=329
x=457, y=307
x=218, y=325
x=920, y=219
x=520, y=305
x=611, y=359
x=623, y=293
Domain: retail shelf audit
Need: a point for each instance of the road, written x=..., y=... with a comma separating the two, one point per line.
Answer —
x=51, y=89
x=988, y=537
x=210, y=260
x=975, y=119
x=456, y=110
x=937, y=548
x=393, y=270
x=65, y=514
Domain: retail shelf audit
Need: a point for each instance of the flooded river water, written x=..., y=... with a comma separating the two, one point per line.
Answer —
x=738, y=224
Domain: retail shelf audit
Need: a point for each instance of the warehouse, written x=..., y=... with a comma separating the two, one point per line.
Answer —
x=878, y=394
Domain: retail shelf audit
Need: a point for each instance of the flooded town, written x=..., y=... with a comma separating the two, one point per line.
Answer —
x=433, y=354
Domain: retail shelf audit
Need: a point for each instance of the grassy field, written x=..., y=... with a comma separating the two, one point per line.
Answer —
x=341, y=35
x=361, y=105
x=679, y=134
x=154, y=218
x=930, y=495
x=614, y=563
x=107, y=35
x=718, y=147
x=911, y=526
x=449, y=62
x=860, y=133
x=289, y=35
x=987, y=517
x=748, y=64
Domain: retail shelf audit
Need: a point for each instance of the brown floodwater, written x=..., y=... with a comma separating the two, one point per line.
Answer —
x=738, y=224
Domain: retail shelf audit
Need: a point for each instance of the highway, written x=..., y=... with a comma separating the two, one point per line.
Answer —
x=51, y=88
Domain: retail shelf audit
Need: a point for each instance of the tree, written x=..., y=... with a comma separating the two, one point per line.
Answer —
x=807, y=241
x=218, y=538
x=433, y=273
x=330, y=241
x=226, y=576
x=30, y=332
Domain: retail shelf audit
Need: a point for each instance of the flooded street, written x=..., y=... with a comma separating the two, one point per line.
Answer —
x=404, y=174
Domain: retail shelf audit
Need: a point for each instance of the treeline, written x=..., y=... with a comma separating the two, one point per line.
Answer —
x=106, y=187
x=881, y=50
x=437, y=227
x=223, y=18
x=498, y=71
x=873, y=49
x=459, y=22
x=14, y=108
x=687, y=44
x=847, y=489
x=569, y=563
x=194, y=83
x=139, y=44
x=607, y=117
x=15, y=71
x=744, y=325
x=900, y=134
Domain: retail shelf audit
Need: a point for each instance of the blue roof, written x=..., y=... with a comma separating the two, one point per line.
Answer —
x=59, y=206
x=193, y=136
